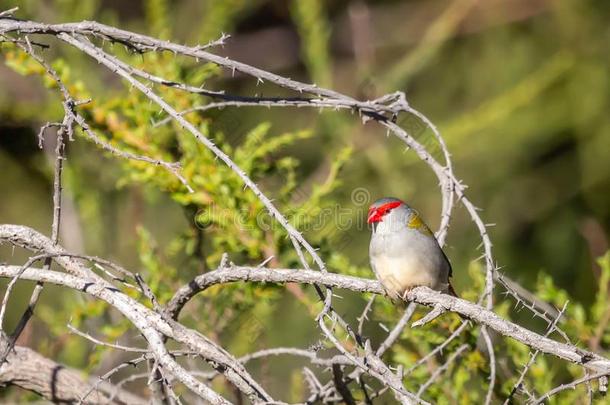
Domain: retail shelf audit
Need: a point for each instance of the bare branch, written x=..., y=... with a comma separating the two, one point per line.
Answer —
x=29, y=370
x=533, y=357
x=151, y=324
x=420, y=295
x=100, y=343
x=492, y=364
x=439, y=348
x=437, y=373
x=395, y=333
x=571, y=385
x=159, y=324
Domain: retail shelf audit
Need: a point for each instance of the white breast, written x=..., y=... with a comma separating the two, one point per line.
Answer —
x=407, y=259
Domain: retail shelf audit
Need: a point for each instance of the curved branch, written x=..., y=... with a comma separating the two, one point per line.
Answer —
x=262, y=275
x=420, y=295
x=151, y=324
x=157, y=326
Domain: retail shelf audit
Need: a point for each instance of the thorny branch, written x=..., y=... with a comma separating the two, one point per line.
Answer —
x=159, y=324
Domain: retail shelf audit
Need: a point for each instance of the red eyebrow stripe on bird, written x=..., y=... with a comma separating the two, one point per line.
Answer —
x=388, y=206
x=385, y=207
x=376, y=213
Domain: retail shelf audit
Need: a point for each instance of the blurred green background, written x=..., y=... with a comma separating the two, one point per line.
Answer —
x=520, y=90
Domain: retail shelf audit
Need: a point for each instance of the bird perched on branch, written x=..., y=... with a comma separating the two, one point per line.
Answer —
x=404, y=252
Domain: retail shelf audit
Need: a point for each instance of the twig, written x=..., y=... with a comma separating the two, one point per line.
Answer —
x=533, y=356
x=441, y=369
x=341, y=386
x=439, y=348
x=151, y=324
x=364, y=316
x=172, y=167
x=429, y=317
x=156, y=327
x=106, y=344
x=129, y=363
x=9, y=12
x=397, y=330
x=571, y=385
x=492, y=364
x=64, y=130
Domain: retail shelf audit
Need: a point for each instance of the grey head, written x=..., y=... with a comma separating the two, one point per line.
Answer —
x=389, y=213
x=386, y=200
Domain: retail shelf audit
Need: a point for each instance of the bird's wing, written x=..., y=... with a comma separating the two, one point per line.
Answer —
x=448, y=262
x=415, y=222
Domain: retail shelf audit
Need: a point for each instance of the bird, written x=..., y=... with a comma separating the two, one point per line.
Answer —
x=404, y=253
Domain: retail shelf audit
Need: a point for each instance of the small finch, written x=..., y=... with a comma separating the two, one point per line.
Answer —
x=404, y=252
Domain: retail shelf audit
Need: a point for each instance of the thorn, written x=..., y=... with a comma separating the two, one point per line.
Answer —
x=264, y=262
x=430, y=316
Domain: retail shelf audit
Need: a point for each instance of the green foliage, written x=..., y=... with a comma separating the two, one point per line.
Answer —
x=314, y=31
x=222, y=16
x=77, y=9
x=222, y=215
x=157, y=17
x=539, y=85
x=466, y=380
